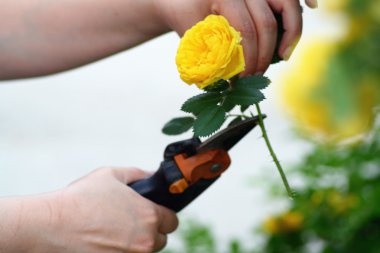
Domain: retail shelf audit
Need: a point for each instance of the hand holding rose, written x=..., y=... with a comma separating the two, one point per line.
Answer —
x=254, y=19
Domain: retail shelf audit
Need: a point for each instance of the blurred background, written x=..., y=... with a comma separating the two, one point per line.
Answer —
x=321, y=106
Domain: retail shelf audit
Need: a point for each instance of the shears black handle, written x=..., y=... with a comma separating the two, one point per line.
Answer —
x=156, y=187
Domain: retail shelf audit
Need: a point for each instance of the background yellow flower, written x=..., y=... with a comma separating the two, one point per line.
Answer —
x=325, y=107
x=285, y=223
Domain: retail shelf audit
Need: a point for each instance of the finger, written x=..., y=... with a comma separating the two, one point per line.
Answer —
x=312, y=3
x=292, y=23
x=239, y=17
x=266, y=27
x=168, y=220
x=129, y=175
x=160, y=242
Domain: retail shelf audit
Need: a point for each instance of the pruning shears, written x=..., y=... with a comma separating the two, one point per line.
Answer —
x=191, y=166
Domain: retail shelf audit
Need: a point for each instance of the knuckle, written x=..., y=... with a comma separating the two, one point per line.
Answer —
x=148, y=245
x=154, y=220
x=152, y=216
x=176, y=223
x=103, y=170
x=163, y=243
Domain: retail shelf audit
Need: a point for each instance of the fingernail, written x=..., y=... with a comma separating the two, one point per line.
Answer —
x=313, y=3
x=287, y=53
x=289, y=50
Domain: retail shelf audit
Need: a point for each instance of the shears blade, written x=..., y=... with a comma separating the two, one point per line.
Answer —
x=228, y=137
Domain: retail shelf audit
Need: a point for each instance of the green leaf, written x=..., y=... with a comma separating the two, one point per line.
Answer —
x=209, y=121
x=255, y=82
x=243, y=108
x=178, y=125
x=244, y=95
x=246, y=90
x=228, y=106
x=199, y=102
x=235, y=247
x=218, y=86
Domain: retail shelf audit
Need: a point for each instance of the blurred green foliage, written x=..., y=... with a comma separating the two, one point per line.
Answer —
x=339, y=202
x=339, y=206
x=195, y=238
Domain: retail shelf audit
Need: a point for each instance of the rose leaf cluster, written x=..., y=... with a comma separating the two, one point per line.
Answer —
x=209, y=110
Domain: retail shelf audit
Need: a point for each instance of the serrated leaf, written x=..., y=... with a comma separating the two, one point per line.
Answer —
x=218, y=86
x=246, y=90
x=243, y=108
x=209, y=121
x=244, y=96
x=235, y=121
x=228, y=106
x=256, y=82
x=178, y=125
x=199, y=102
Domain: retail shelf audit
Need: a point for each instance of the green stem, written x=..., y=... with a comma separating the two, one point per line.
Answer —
x=271, y=151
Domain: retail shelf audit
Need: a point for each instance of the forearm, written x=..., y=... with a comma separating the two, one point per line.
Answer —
x=24, y=221
x=40, y=37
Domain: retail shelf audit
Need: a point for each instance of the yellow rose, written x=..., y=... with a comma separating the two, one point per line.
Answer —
x=210, y=51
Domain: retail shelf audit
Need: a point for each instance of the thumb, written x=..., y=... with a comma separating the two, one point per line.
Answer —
x=129, y=175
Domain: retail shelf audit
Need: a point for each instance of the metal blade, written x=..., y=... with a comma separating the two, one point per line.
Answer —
x=228, y=137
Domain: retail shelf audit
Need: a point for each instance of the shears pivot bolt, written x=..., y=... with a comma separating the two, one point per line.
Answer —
x=215, y=167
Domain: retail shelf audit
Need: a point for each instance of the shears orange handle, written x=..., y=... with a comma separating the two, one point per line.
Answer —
x=183, y=176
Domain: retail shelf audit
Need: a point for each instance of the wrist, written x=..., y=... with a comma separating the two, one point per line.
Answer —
x=27, y=223
x=144, y=23
x=160, y=9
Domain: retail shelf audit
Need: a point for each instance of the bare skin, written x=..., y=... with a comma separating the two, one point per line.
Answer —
x=40, y=37
x=97, y=213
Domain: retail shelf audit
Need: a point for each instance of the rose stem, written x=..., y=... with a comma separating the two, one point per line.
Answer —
x=275, y=159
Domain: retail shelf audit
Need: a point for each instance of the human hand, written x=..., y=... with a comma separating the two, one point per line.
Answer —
x=99, y=213
x=253, y=18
